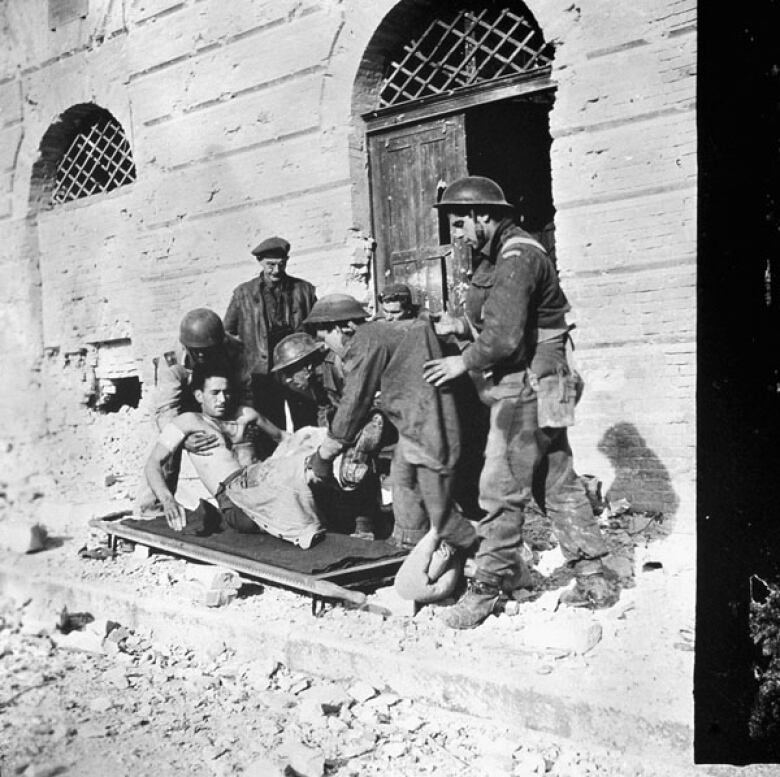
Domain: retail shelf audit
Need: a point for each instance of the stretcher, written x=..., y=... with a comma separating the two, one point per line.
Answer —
x=333, y=570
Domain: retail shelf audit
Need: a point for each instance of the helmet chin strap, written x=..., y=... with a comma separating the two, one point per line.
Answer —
x=479, y=229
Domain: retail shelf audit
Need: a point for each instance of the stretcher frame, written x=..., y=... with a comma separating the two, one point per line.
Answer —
x=339, y=585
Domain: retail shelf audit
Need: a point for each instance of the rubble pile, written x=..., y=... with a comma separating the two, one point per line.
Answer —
x=115, y=702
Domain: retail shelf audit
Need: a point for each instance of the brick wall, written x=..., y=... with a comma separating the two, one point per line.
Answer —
x=241, y=117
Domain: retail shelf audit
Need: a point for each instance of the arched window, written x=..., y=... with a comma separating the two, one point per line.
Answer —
x=97, y=158
x=462, y=47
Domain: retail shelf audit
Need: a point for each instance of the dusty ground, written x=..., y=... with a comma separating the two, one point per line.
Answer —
x=186, y=708
x=149, y=709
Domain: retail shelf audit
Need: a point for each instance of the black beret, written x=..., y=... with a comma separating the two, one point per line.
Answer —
x=395, y=291
x=273, y=246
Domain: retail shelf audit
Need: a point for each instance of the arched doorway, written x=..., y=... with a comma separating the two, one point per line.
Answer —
x=464, y=90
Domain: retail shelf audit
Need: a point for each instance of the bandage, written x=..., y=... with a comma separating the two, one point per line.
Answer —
x=171, y=437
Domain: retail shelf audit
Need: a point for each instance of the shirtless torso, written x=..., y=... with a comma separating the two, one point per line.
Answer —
x=218, y=464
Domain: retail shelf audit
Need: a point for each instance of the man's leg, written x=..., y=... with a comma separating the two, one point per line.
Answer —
x=235, y=517
x=511, y=457
x=436, y=491
x=575, y=526
x=411, y=520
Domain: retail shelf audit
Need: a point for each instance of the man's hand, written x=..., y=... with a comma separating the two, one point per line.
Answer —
x=174, y=513
x=321, y=469
x=200, y=443
x=449, y=325
x=439, y=371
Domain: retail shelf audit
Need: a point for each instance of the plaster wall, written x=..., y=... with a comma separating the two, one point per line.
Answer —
x=241, y=118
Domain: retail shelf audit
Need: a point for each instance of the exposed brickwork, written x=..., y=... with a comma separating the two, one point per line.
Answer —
x=244, y=120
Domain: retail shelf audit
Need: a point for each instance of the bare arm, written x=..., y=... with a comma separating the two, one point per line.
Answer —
x=170, y=440
x=156, y=480
x=262, y=423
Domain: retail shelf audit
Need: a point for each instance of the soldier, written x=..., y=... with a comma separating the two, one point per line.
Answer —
x=203, y=341
x=389, y=356
x=261, y=313
x=396, y=302
x=300, y=365
x=516, y=317
x=313, y=371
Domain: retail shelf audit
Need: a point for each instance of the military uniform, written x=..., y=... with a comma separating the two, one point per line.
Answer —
x=173, y=372
x=517, y=312
x=388, y=357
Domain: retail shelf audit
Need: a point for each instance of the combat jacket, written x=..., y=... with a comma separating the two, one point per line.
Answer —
x=247, y=317
x=514, y=293
x=388, y=356
x=172, y=375
x=329, y=387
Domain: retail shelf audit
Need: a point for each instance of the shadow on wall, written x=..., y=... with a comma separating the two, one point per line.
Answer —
x=640, y=476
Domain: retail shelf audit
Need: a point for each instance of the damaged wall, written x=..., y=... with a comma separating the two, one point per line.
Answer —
x=240, y=119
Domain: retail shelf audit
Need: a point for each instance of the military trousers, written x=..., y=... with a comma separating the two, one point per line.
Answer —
x=525, y=462
x=422, y=498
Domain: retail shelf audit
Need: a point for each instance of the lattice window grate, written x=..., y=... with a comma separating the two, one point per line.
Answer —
x=98, y=160
x=464, y=48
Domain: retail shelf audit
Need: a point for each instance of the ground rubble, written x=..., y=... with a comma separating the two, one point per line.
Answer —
x=181, y=693
x=142, y=706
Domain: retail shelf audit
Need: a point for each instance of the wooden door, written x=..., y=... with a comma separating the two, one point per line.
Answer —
x=409, y=168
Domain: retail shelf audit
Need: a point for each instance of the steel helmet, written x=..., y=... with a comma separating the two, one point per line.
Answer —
x=335, y=307
x=293, y=349
x=201, y=328
x=472, y=191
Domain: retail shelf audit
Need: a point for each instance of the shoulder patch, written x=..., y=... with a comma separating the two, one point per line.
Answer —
x=170, y=358
x=515, y=242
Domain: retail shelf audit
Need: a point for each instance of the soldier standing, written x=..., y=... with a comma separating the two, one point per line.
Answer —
x=516, y=318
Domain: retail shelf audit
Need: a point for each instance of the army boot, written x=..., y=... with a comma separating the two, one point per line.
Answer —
x=596, y=590
x=357, y=460
x=474, y=606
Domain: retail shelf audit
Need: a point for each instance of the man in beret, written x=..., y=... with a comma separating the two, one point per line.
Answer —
x=396, y=302
x=261, y=313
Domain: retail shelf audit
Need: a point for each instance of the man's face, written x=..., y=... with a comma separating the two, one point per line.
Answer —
x=272, y=269
x=200, y=355
x=336, y=339
x=470, y=229
x=299, y=378
x=395, y=310
x=215, y=397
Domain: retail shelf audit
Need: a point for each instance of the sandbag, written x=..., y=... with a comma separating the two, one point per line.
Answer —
x=412, y=581
x=274, y=493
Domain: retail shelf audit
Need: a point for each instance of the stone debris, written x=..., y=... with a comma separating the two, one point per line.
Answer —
x=21, y=536
x=183, y=698
x=142, y=552
x=393, y=602
x=304, y=760
x=44, y=770
x=361, y=691
x=265, y=767
x=209, y=585
x=574, y=631
x=207, y=712
x=83, y=641
x=212, y=577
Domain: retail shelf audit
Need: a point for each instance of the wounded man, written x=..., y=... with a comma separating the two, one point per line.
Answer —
x=271, y=495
